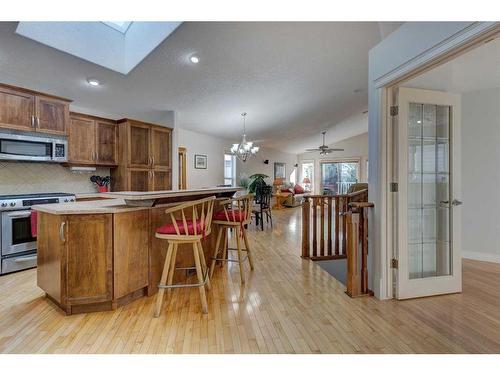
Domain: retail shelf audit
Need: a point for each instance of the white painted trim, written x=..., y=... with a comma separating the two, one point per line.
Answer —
x=485, y=257
x=444, y=47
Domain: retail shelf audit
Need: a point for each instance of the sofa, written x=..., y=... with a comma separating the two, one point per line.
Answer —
x=297, y=194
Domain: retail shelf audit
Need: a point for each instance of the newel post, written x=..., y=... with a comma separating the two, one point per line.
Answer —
x=353, y=276
x=306, y=216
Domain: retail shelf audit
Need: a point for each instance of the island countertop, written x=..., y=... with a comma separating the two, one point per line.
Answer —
x=126, y=201
x=150, y=195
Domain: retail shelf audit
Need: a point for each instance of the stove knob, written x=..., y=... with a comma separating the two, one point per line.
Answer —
x=4, y=204
x=71, y=200
x=66, y=200
x=12, y=204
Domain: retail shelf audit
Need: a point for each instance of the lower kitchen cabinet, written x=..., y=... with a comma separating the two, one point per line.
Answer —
x=75, y=260
x=93, y=262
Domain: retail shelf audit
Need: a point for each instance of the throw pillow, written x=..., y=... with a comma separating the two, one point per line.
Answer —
x=298, y=189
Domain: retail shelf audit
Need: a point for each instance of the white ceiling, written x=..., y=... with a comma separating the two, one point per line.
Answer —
x=293, y=79
x=478, y=69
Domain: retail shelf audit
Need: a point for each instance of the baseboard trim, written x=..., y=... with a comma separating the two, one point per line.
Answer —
x=486, y=257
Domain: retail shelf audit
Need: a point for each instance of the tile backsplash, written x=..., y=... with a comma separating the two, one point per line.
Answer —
x=21, y=178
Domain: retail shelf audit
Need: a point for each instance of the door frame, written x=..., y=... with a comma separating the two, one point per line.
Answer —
x=182, y=165
x=384, y=88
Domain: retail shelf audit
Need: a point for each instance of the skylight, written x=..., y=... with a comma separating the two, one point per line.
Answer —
x=121, y=26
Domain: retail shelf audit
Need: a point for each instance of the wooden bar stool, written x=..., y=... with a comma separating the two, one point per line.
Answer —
x=236, y=215
x=185, y=231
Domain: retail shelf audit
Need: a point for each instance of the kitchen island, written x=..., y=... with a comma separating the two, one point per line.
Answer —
x=99, y=255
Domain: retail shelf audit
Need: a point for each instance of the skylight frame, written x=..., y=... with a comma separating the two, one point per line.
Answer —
x=120, y=26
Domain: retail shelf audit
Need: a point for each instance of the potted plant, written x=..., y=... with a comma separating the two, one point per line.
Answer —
x=256, y=180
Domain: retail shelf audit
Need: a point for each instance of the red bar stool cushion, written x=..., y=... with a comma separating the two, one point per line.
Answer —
x=239, y=216
x=170, y=228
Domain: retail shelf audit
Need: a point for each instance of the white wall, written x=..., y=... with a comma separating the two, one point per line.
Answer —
x=203, y=144
x=481, y=175
x=354, y=148
x=256, y=164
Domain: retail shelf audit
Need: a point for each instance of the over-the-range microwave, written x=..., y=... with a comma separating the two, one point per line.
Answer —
x=30, y=147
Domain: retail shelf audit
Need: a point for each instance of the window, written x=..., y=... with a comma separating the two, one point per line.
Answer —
x=337, y=177
x=229, y=170
x=307, y=171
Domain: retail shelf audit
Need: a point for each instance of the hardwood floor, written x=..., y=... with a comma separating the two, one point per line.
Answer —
x=288, y=305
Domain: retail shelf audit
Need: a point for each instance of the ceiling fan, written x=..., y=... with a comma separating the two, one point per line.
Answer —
x=324, y=149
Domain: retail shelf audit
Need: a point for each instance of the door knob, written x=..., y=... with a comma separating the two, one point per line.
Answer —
x=456, y=202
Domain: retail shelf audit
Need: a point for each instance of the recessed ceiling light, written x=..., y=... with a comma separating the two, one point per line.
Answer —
x=93, y=82
x=194, y=59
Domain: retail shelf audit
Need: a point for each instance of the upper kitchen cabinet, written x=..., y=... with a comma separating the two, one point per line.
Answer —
x=161, y=148
x=81, y=138
x=27, y=110
x=145, y=157
x=106, y=142
x=139, y=145
x=92, y=140
x=52, y=115
x=17, y=109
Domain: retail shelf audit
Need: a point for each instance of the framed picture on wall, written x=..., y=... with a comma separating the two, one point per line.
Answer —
x=200, y=161
x=280, y=171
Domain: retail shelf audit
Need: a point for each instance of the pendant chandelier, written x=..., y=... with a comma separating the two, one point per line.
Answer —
x=245, y=149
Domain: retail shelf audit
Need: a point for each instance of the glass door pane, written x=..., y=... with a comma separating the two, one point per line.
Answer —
x=337, y=177
x=428, y=191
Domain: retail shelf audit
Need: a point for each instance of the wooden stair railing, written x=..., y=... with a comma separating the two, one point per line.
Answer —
x=357, y=249
x=332, y=210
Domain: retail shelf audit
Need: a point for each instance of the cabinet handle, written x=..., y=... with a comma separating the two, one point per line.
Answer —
x=152, y=160
x=37, y=122
x=61, y=231
x=32, y=121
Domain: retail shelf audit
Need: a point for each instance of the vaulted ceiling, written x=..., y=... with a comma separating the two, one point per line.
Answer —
x=293, y=78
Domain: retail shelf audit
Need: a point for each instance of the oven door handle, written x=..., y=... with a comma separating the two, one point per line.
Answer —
x=19, y=214
x=25, y=259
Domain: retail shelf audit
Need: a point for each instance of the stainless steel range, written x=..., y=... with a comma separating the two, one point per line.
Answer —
x=18, y=246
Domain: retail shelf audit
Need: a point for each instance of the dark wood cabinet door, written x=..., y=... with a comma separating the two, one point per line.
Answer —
x=52, y=115
x=17, y=109
x=162, y=180
x=81, y=140
x=89, y=241
x=106, y=143
x=139, y=179
x=161, y=149
x=139, y=145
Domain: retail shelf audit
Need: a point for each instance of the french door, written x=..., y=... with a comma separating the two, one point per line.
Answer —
x=428, y=212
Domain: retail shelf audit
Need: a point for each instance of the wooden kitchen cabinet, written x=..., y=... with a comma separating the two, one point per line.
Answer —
x=75, y=255
x=106, y=142
x=17, y=109
x=81, y=140
x=139, y=141
x=27, y=110
x=161, y=149
x=161, y=180
x=145, y=157
x=138, y=179
x=92, y=140
x=52, y=115
x=88, y=240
